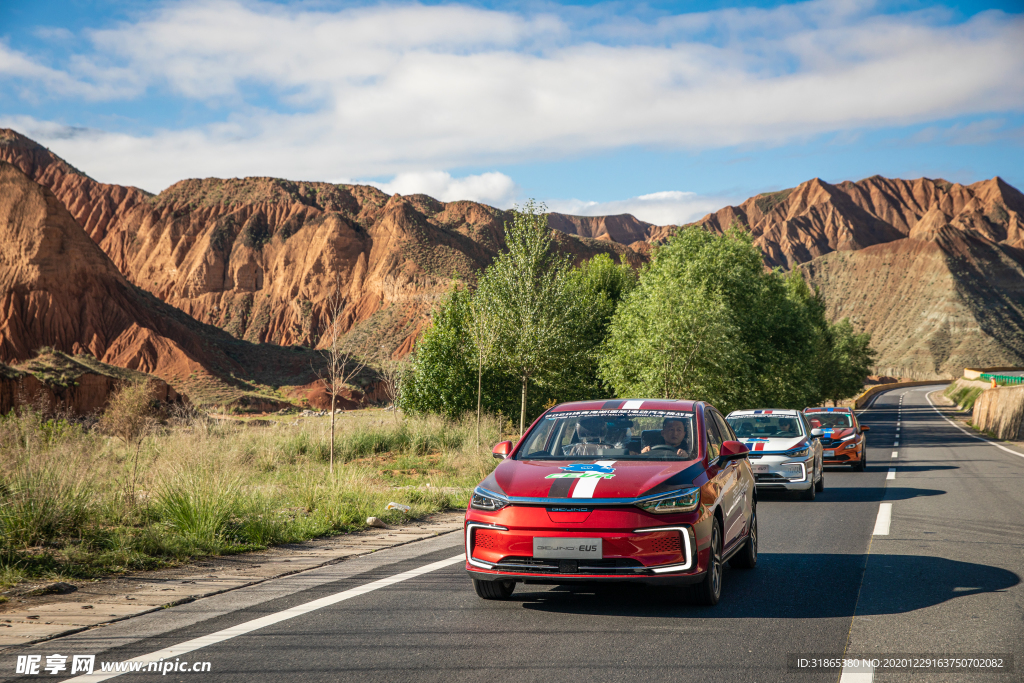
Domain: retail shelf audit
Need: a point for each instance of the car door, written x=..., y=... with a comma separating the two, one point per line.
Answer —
x=728, y=474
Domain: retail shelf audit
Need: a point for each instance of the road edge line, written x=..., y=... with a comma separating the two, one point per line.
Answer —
x=928, y=397
x=271, y=619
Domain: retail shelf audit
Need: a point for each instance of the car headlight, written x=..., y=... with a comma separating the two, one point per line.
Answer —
x=487, y=501
x=794, y=471
x=798, y=452
x=847, y=438
x=686, y=500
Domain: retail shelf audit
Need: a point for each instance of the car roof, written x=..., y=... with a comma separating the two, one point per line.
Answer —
x=628, y=404
x=823, y=409
x=764, y=411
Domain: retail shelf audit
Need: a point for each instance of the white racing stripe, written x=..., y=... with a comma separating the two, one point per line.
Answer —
x=271, y=619
x=973, y=436
x=883, y=520
x=891, y=475
x=585, y=487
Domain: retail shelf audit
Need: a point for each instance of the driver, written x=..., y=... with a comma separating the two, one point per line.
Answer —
x=673, y=433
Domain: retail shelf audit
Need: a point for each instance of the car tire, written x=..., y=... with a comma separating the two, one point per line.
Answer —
x=746, y=558
x=811, y=492
x=820, y=486
x=708, y=591
x=861, y=464
x=494, y=590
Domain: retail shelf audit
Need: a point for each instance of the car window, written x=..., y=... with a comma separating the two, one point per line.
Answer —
x=827, y=420
x=723, y=427
x=714, y=440
x=612, y=434
x=768, y=426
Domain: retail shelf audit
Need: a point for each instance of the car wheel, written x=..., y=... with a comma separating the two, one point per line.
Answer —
x=747, y=557
x=494, y=590
x=861, y=464
x=810, y=493
x=820, y=486
x=708, y=591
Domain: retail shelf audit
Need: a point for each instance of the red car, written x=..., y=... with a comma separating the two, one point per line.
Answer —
x=652, y=491
x=842, y=439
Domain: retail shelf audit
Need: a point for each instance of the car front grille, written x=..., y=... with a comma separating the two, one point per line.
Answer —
x=523, y=565
x=770, y=477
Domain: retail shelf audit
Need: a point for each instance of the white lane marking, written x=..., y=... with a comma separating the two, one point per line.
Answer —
x=585, y=487
x=861, y=674
x=896, y=444
x=271, y=619
x=973, y=436
x=897, y=424
x=883, y=520
x=895, y=454
x=891, y=475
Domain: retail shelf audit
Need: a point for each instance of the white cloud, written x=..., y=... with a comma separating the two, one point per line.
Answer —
x=496, y=189
x=378, y=90
x=659, y=208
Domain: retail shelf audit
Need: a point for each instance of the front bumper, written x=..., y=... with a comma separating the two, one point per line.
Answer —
x=637, y=547
x=842, y=455
x=777, y=479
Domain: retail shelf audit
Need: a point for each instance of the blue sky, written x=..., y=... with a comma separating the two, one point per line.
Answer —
x=666, y=110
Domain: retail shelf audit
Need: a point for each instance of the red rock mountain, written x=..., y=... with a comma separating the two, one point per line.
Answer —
x=258, y=257
x=815, y=218
x=59, y=289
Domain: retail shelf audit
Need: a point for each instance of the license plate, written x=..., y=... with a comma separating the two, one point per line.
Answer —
x=759, y=469
x=567, y=548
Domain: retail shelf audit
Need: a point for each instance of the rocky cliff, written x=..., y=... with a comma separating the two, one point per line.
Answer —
x=260, y=257
x=59, y=289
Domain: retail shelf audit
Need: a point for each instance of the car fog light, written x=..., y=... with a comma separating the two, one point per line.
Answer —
x=849, y=446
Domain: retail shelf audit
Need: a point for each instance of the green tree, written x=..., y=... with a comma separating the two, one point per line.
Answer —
x=707, y=321
x=440, y=377
x=537, y=314
x=849, y=360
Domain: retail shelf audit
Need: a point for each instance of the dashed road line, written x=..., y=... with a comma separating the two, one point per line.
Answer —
x=891, y=475
x=895, y=454
x=883, y=520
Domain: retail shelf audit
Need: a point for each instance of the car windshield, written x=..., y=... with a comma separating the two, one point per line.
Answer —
x=829, y=420
x=760, y=425
x=618, y=434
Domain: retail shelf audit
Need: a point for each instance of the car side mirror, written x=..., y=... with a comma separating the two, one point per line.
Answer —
x=733, y=450
x=865, y=429
x=502, y=450
x=817, y=433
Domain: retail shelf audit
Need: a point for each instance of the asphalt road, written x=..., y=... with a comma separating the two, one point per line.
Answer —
x=945, y=580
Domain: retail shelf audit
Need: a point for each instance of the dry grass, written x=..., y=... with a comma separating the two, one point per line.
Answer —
x=200, y=486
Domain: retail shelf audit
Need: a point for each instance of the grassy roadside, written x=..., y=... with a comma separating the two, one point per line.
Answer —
x=76, y=503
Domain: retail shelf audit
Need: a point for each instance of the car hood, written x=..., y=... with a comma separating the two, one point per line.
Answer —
x=773, y=444
x=592, y=479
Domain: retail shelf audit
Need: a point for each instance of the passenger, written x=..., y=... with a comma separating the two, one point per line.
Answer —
x=673, y=433
x=597, y=434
